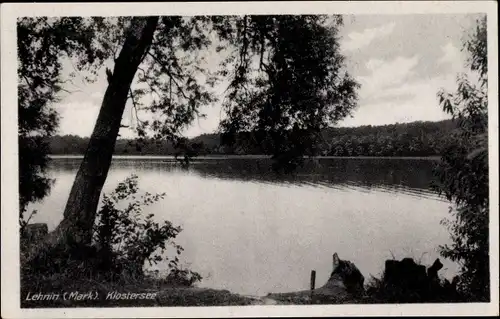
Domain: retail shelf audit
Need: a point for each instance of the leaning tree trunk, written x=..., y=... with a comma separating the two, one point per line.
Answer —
x=80, y=211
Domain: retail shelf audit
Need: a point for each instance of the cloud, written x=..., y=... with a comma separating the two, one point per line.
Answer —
x=408, y=101
x=393, y=91
x=452, y=56
x=357, y=40
x=386, y=74
x=422, y=106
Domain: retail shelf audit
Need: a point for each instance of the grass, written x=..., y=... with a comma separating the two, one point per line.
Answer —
x=164, y=292
x=76, y=282
x=155, y=293
x=67, y=283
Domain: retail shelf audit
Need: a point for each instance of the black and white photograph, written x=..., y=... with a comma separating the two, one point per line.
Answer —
x=223, y=159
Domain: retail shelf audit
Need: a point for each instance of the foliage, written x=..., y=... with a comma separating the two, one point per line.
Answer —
x=463, y=173
x=404, y=139
x=42, y=42
x=287, y=70
x=34, y=184
x=286, y=79
x=289, y=83
x=126, y=240
x=123, y=242
x=36, y=119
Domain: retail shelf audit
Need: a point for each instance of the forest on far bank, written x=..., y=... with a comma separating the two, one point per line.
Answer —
x=401, y=139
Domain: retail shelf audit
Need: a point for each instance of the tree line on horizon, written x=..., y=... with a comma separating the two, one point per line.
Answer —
x=400, y=139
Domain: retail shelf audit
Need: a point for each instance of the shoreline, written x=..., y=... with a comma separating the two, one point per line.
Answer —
x=87, y=292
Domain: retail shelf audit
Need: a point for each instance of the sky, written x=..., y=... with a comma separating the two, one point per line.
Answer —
x=401, y=62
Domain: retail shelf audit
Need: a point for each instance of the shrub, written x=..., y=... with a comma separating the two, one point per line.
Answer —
x=126, y=238
x=463, y=173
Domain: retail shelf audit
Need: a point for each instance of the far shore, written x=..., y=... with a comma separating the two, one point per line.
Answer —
x=216, y=157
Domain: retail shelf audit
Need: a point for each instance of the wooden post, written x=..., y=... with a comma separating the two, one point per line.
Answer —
x=313, y=282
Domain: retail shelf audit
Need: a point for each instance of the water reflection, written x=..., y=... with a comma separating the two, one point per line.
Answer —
x=251, y=231
x=410, y=176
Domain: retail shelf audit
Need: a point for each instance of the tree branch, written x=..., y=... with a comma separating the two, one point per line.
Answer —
x=134, y=105
x=145, y=80
x=167, y=71
x=28, y=82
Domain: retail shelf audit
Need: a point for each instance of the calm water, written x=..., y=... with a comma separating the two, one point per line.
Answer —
x=253, y=232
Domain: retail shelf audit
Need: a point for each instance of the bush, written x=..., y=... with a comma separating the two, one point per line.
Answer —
x=463, y=173
x=126, y=238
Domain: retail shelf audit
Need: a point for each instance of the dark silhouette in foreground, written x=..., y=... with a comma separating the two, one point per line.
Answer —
x=408, y=282
x=345, y=285
x=402, y=282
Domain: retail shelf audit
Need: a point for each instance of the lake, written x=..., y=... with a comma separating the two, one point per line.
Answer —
x=251, y=231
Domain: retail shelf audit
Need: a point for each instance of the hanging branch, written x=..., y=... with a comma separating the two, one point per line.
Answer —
x=168, y=72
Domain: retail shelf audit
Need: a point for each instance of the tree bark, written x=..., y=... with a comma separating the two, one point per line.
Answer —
x=81, y=207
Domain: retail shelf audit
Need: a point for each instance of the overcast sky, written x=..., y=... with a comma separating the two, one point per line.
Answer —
x=401, y=62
